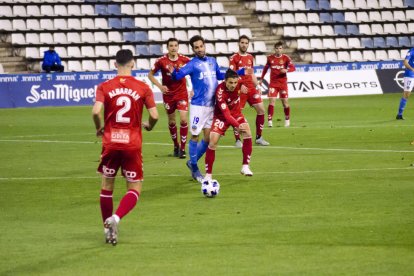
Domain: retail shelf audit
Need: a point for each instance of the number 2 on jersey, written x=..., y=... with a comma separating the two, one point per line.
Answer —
x=126, y=103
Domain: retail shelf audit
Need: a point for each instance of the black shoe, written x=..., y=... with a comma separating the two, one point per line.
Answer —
x=182, y=154
x=399, y=117
x=176, y=150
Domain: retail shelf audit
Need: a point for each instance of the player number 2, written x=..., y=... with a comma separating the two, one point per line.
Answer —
x=126, y=103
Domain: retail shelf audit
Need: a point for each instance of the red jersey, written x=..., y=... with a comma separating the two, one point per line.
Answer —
x=124, y=98
x=227, y=106
x=276, y=63
x=238, y=61
x=177, y=88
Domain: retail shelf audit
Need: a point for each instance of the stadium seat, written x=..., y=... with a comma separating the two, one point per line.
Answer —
x=246, y=31
x=220, y=34
x=140, y=22
x=362, y=17
x=114, y=9
x=31, y=38
x=87, y=37
x=221, y=48
x=218, y=21
x=343, y=56
x=360, y=4
x=352, y=29
x=32, y=10
x=166, y=22
x=289, y=31
x=389, y=29
x=140, y=9
x=102, y=65
x=385, y=4
x=340, y=30
x=165, y=35
x=114, y=36
x=325, y=17
x=327, y=30
x=397, y=3
x=128, y=36
x=391, y=41
x=262, y=6
x=375, y=16
x=87, y=51
x=192, y=33
x=381, y=55
x=372, y=4
x=311, y=5
x=302, y=31
x=156, y=36
x=350, y=17
x=87, y=23
x=46, y=38
x=62, y=51
x=394, y=55
x=210, y=49
x=127, y=9
x=19, y=10
x=17, y=38
x=316, y=43
x=387, y=16
x=303, y=43
x=207, y=34
x=129, y=47
x=101, y=9
x=404, y=41
x=341, y=43
x=32, y=24
x=143, y=64
x=47, y=10
x=180, y=22
x=101, y=51
x=223, y=61
x=184, y=49
x=74, y=66
x=299, y=18
x=73, y=37
x=401, y=28
x=191, y=8
x=409, y=3
x=367, y=42
x=409, y=14
x=379, y=42
x=377, y=29
x=365, y=29
x=260, y=60
x=166, y=9
x=338, y=17
x=324, y=5
x=142, y=50
x=128, y=23
x=336, y=4
x=88, y=65
x=46, y=24
x=286, y=5
x=60, y=24
x=113, y=49
x=231, y=20
x=74, y=51
x=100, y=36
x=328, y=43
x=205, y=21
x=331, y=57
x=318, y=57
x=87, y=10
x=74, y=24
x=368, y=55
x=153, y=9
x=313, y=17
x=101, y=23
x=114, y=23
x=179, y=8
x=32, y=52
x=348, y=5
x=204, y=7
x=399, y=16
x=259, y=46
x=356, y=56
x=315, y=30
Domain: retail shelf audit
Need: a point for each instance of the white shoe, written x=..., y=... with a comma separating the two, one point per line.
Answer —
x=107, y=235
x=238, y=144
x=269, y=123
x=287, y=123
x=207, y=177
x=112, y=226
x=246, y=171
x=262, y=142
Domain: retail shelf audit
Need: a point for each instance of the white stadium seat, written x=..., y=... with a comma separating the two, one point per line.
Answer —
x=74, y=66
x=102, y=65
x=46, y=38
x=88, y=65
x=33, y=24
x=32, y=52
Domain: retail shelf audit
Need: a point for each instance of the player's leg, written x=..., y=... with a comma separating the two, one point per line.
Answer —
x=183, y=133
x=408, y=87
x=247, y=150
x=172, y=127
x=270, y=111
x=132, y=171
x=286, y=110
x=196, y=128
x=243, y=100
x=260, y=110
x=208, y=119
x=211, y=154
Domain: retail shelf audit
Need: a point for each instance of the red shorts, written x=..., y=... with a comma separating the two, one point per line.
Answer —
x=254, y=96
x=220, y=126
x=129, y=160
x=172, y=104
x=279, y=89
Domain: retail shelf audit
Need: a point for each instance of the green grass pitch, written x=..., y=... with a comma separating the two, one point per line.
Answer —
x=332, y=195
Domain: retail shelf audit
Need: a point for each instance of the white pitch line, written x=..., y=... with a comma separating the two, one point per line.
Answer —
x=218, y=174
x=220, y=146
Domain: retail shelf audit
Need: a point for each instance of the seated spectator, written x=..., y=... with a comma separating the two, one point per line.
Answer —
x=51, y=61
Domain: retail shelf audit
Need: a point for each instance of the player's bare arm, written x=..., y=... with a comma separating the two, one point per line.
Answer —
x=407, y=65
x=152, y=120
x=164, y=89
x=96, y=116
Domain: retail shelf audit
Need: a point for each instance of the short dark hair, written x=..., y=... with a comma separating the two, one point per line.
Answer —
x=231, y=74
x=244, y=37
x=278, y=44
x=124, y=56
x=171, y=39
x=196, y=38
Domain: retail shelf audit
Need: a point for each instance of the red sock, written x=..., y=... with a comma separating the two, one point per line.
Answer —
x=287, y=112
x=210, y=157
x=236, y=134
x=173, y=133
x=247, y=150
x=183, y=134
x=107, y=205
x=270, y=110
x=259, y=124
x=127, y=203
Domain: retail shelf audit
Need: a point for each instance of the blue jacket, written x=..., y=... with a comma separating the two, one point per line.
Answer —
x=204, y=73
x=51, y=58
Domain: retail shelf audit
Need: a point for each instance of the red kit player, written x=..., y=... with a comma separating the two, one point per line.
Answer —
x=227, y=112
x=279, y=64
x=123, y=99
x=239, y=60
x=174, y=93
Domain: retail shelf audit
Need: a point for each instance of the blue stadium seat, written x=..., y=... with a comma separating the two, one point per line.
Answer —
x=352, y=30
x=391, y=41
x=412, y=41
x=129, y=36
x=340, y=30
x=114, y=23
x=338, y=17
x=325, y=17
x=404, y=41
x=379, y=42
x=141, y=36
x=311, y=5
x=114, y=9
x=324, y=5
x=128, y=22
x=155, y=50
x=142, y=50
x=367, y=42
x=409, y=3
x=101, y=9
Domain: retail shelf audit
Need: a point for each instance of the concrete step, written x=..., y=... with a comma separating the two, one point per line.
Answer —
x=11, y=59
x=6, y=52
x=14, y=67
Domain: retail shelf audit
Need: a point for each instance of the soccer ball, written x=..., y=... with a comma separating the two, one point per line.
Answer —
x=210, y=188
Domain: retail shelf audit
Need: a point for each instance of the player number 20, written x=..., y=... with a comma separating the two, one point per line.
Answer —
x=125, y=102
x=219, y=124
